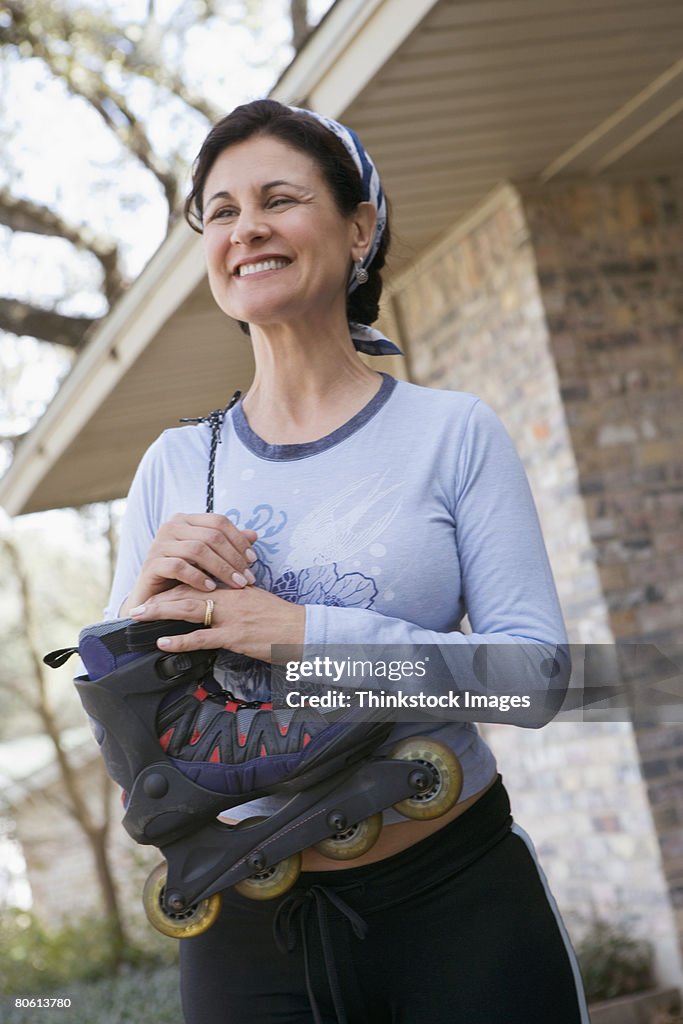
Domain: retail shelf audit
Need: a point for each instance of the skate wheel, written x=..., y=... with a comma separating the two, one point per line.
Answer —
x=353, y=841
x=186, y=923
x=446, y=773
x=273, y=881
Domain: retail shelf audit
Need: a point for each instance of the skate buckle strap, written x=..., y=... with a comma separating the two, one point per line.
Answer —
x=55, y=659
x=296, y=908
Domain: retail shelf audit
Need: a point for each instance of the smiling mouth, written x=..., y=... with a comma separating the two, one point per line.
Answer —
x=257, y=268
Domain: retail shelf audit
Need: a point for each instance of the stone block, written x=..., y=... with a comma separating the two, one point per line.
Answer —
x=657, y=452
x=624, y=623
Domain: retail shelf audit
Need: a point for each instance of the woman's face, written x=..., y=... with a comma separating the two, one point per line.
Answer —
x=277, y=247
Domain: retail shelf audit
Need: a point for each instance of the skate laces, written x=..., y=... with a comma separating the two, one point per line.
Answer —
x=219, y=728
x=295, y=910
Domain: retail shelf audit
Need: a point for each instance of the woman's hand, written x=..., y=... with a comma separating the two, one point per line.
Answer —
x=247, y=621
x=198, y=550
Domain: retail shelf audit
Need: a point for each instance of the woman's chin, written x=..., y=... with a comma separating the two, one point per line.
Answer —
x=276, y=317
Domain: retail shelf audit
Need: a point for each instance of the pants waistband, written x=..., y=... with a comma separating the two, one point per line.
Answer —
x=441, y=854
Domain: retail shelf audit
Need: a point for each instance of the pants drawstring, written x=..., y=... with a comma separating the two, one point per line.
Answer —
x=296, y=909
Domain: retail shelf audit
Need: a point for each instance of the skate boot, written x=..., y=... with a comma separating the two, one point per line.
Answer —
x=186, y=751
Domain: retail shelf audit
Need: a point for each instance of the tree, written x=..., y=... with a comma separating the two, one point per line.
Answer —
x=92, y=817
x=128, y=76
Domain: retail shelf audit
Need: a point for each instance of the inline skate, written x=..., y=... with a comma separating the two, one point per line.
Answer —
x=185, y=751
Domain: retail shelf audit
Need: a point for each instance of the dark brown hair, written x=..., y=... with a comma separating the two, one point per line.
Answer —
x=268, y=117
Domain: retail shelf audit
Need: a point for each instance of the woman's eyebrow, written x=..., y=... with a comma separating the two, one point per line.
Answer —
x=224, y=194
x=281, y=181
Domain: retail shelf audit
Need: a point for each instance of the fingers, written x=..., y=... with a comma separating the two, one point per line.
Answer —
x=216, y=521
x=180, y=570
x=247, y=621
x=203, y=639
x=213, y=543
x=185, y=608
x=208, y=553
x=199, y=550
x=213, y=520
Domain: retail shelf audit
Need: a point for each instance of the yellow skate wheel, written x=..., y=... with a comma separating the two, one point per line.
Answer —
x=272, y=881
x=446, y=773
x=352, y=841
x=184, y=924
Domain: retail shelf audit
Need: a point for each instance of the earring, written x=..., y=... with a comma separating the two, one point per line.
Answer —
x=360, y=272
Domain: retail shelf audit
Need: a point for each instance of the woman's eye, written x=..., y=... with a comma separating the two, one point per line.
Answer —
x=223, y=213
x=280, y=201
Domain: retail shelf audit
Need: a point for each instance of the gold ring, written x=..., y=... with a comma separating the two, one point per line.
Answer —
x=208, y=614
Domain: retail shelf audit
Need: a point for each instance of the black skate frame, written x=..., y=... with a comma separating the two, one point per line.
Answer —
x=167, y=810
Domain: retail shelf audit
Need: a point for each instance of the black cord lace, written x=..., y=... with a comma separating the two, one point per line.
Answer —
x=295, y=910
x=215, y=420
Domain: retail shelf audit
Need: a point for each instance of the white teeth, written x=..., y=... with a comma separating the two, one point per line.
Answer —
x=256, y=268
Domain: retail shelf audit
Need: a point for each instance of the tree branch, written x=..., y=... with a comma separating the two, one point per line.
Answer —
x=18, y=317
x=134, y=62
x=81, y=81
x=25, y=215
x=298, y=12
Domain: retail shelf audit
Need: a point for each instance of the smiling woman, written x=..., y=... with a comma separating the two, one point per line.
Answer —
x=351, y=180
x=352, y=509
x=267, y=241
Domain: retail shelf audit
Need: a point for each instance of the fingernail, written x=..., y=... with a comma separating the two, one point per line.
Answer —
x=250, y=556
x=239, y=579
x=163, y=641
x=138, y=610
x=210, y=584
x=249, y=576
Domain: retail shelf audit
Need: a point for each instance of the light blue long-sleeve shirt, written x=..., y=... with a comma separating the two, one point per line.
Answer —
x=389, y=530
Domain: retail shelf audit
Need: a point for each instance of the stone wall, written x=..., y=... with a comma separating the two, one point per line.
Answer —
x=473, y=313
x=610, y=269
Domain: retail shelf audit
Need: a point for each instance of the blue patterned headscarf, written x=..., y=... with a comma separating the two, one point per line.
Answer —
x=366, y=339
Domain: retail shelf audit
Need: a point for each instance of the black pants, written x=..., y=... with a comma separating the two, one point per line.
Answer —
x=458, y=929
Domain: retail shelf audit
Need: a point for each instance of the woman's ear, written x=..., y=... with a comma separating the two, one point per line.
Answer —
x=363, y=219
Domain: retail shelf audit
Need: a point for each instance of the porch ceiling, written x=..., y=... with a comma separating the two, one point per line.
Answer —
x=452, y=98
x=492, y=90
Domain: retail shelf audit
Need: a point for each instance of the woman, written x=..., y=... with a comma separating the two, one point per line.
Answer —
x=352, y=509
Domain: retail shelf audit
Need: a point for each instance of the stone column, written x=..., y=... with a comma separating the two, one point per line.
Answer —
x=609, y=257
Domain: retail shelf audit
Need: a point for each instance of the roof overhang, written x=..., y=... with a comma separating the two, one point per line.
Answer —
x=452, y=98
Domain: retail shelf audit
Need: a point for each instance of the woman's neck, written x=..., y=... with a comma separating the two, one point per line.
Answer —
x=304, y=388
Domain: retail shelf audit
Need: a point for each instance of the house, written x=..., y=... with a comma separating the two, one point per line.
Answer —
x=532, y=151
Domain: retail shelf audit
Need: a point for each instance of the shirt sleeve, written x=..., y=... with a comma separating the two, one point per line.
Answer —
x=139, y=526
x=518, y=643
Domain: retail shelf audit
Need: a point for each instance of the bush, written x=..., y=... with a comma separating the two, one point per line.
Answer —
x=37, y=959
x=133, y=996
x=613, y=963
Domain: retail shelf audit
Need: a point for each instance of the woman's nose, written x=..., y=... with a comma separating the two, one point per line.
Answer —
x=250, y=226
